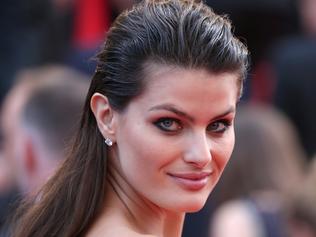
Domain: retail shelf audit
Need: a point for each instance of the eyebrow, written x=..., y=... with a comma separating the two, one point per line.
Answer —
x=231, y=109
x=173, y=109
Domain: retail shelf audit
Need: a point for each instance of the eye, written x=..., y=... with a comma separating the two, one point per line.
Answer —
x=168, y=124
x=219, y=126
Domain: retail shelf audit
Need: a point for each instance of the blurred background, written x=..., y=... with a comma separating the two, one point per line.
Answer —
x=268, y=188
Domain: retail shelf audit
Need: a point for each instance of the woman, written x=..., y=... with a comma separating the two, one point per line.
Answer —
x=157, y=128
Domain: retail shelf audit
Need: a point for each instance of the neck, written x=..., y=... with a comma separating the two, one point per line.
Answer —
x=124, y=204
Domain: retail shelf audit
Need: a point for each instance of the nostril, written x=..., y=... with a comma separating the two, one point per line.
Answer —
x=198, y=156
x=198, y=149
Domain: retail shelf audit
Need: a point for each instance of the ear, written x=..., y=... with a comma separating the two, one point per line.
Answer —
x=104, y=115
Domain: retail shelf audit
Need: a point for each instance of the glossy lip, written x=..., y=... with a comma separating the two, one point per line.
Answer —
x=192, y=181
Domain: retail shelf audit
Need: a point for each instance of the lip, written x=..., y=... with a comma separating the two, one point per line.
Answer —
x=192, y=181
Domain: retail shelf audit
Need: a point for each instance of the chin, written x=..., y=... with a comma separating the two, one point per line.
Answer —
x=192, y=205
x=194, y=209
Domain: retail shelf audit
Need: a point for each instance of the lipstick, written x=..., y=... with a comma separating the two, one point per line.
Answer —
x=192, y=181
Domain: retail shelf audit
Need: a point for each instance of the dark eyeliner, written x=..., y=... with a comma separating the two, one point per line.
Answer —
x=159, y=122
x=225, y=122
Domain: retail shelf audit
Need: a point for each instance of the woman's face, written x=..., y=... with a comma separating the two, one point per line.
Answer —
x=174, y=140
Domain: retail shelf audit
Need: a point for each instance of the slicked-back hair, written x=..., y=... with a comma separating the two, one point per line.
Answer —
x=181, y=33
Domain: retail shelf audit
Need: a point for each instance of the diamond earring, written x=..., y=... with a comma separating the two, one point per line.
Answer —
x=108, y=141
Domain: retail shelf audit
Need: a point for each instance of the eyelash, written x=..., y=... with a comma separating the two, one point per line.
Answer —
x=160, y=124
x=226, y=124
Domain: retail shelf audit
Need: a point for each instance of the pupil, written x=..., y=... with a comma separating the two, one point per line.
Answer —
x=168, y=123
x=214, y=126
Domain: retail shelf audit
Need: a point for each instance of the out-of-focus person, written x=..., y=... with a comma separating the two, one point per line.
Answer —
x=302, y=214
x=266, y=165
x=295, y=70
x=292, y=62
x=38, y=118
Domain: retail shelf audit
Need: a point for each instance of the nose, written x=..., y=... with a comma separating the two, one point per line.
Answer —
x=198, y=152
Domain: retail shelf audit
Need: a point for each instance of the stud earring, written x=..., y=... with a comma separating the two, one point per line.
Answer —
x=108, y=141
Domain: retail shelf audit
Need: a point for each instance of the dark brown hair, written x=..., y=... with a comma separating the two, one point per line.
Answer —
x=182, y=33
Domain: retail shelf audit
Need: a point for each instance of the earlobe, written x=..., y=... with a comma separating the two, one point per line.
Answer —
x=103, y=114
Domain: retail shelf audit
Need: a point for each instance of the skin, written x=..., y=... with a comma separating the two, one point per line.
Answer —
x=171, y=145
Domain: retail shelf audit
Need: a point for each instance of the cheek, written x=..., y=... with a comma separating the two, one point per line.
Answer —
x=141, y=150
x=224, y=151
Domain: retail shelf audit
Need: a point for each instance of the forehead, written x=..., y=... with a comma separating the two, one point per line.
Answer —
x=194, y=89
